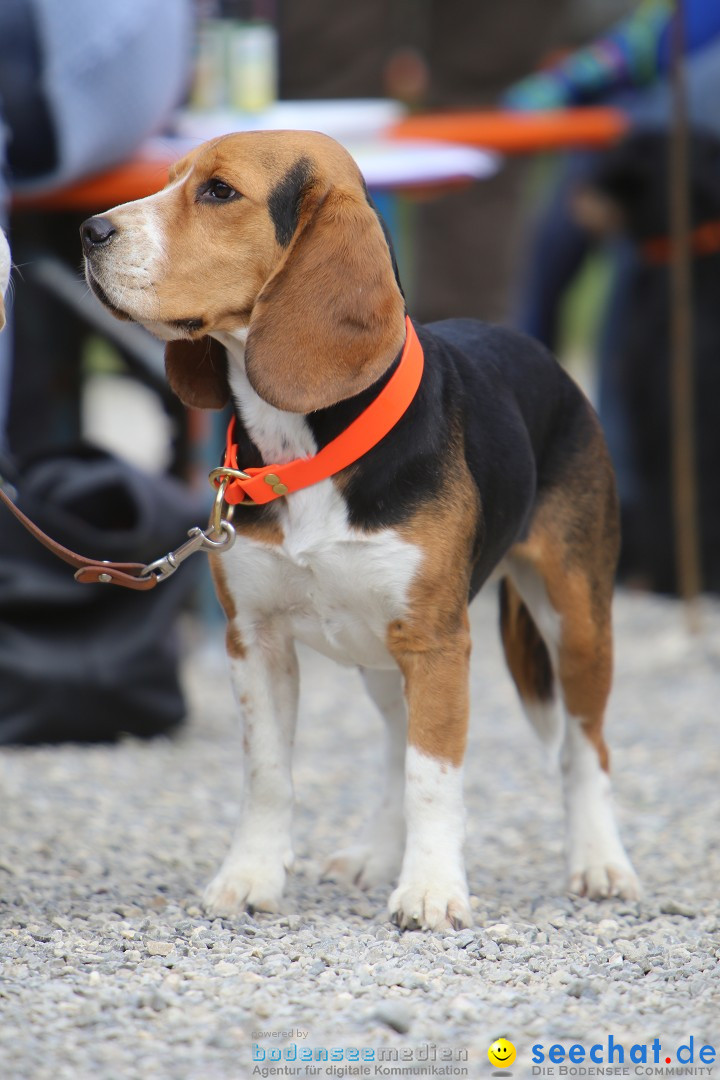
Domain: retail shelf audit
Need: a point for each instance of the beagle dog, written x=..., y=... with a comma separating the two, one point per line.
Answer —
x=268, y=245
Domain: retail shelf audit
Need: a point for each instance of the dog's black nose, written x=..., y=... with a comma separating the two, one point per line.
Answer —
x=95, y=232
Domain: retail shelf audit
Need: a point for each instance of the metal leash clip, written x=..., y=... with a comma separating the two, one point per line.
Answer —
x=219, y=536
x=199, y=540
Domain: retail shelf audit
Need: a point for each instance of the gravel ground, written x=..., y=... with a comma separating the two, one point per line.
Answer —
x=109, y=968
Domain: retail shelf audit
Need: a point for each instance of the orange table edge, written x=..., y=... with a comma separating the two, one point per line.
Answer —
x=517, y=132
x=125, y=183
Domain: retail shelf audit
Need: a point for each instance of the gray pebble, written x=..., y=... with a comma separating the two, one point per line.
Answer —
x=395, y=1015
x=674, y=907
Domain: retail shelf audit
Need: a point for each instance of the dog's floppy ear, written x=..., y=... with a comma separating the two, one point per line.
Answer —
x=331, y=319
x=197, y=372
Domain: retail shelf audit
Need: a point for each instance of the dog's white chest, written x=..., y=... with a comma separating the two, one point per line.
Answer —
x=328, y=585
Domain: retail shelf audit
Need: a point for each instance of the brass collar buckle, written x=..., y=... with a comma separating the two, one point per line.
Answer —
x=220, y=479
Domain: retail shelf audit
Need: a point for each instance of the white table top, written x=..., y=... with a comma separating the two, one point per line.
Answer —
x=386, y=163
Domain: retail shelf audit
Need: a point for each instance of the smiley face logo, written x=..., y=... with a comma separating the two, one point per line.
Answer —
x=501, y=1053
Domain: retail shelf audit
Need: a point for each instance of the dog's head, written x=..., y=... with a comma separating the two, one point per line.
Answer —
x=4, y=274
x=269, y=235
x=629, y=190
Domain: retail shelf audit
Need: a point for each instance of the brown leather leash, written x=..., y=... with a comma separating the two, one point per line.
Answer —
x=235, y=487
x=218, y=537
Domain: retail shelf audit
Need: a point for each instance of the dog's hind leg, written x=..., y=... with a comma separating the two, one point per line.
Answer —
x=564, y=574
x=377, y=857
x=597, y=863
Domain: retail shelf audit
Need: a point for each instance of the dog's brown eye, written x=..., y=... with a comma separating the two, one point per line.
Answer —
x=217, y=191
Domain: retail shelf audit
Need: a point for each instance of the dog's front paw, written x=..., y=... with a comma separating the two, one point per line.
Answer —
x=365, y=865
x=436, y=905
x=246, y=884
x=598, y=881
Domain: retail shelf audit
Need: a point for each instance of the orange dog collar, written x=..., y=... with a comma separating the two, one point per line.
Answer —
x=272, y=481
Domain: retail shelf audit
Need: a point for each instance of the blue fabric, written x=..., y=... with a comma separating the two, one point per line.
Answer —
x=702, y=26
x=702, y=72
x=113, y=72
x=5, y=336
x=635, y=53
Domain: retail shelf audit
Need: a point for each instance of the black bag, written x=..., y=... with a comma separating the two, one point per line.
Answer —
x=91, y=662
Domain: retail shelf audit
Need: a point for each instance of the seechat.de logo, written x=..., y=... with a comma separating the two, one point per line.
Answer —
x=611, y=1052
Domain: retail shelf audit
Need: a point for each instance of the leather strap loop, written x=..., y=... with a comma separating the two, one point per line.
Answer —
x=109, y=574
